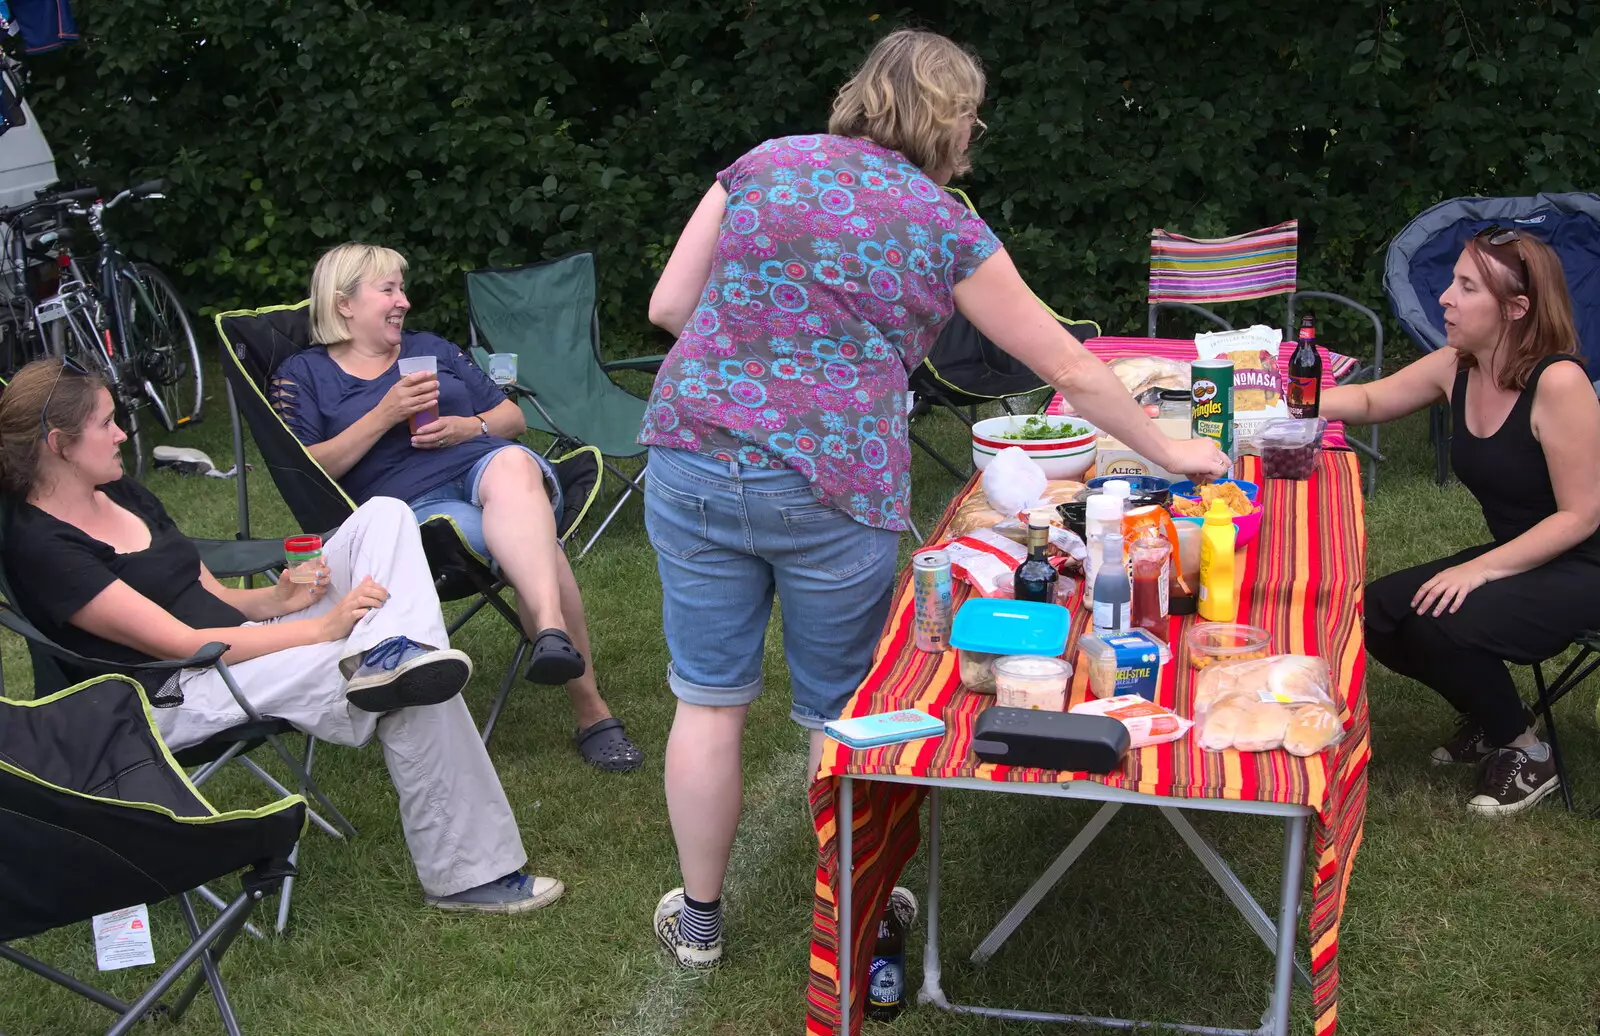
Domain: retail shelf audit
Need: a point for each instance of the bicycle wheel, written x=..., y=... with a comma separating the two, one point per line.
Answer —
x=85, y=343
x=160, y=345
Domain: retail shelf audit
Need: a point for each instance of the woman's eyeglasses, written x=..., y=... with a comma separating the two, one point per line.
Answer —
x=979, y=128
x=67, y=364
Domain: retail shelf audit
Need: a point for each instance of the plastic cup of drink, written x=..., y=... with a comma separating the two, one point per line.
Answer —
x=503, y=368
x=421, y=365
x=300, y=555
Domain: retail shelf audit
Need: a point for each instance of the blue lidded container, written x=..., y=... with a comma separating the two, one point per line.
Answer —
x=987, y=628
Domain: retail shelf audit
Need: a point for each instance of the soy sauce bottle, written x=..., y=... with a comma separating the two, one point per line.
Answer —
x=1035, y=579
x=1305, y=373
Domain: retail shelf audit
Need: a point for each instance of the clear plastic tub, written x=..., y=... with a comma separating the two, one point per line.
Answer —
x=988, y=628
x=1289, y=447
x=1127, y=662
x=1032, y=682
x=1225, y=642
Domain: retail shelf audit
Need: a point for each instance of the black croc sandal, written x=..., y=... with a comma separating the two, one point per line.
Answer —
x=605, y=746
x=555, y=660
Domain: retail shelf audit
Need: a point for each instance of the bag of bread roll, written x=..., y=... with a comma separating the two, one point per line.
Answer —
x=975, y=512
x=1284, y=701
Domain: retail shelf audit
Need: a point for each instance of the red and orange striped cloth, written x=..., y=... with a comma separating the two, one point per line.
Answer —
x=1301, y=578
x=1115, y=347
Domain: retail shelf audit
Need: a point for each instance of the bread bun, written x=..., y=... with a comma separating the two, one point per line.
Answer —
x=1263, y=726
x=1311, y=729
x=1297, y=678
x=1220, y=727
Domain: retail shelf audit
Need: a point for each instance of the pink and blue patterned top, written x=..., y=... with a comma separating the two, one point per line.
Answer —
x=832, y=277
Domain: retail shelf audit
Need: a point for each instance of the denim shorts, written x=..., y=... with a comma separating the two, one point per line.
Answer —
x=459, y=498
x=727, y=537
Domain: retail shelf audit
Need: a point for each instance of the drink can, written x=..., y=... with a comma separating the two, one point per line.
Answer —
x=1211, y=382
x=931, y=594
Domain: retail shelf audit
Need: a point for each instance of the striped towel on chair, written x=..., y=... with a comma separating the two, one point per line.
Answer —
x=1224, y=269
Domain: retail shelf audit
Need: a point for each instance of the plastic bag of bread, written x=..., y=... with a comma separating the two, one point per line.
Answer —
x=1266, y=703
x=1145, y=376
x=976, y=513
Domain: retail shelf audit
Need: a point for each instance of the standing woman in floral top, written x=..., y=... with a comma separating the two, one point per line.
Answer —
x=814, y=275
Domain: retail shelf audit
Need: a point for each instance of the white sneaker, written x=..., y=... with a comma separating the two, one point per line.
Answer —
x=689, y=953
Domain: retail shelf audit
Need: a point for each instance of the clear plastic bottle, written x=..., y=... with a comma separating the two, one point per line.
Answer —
x=1102, y=514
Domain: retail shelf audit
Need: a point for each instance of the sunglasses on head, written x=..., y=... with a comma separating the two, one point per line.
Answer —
x=67, y=364
x=1499, y=237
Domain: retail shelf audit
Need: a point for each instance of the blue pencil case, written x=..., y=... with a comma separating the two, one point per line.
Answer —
x=884, y=728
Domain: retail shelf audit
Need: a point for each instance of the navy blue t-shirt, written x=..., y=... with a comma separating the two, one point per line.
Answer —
x=321, y=399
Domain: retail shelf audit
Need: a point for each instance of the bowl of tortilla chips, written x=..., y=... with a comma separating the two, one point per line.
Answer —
x=1240, y=496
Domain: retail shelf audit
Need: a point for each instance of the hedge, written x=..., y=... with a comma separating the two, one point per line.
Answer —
x=495, y=132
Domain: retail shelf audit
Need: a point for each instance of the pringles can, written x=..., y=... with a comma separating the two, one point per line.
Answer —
x=1211, y=382
x=931, y=595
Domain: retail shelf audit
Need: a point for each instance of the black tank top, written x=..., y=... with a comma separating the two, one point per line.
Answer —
x=1506, y=472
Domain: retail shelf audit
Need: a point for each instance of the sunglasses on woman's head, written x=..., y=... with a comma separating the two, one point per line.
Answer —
x=67, y=364
x=1499, y=237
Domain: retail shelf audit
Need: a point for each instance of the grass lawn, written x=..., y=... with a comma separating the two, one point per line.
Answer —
x=1454, y=925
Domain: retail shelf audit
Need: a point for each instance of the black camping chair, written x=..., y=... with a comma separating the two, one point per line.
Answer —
x=99, y=816
x=545, y=315
x=964, y=369
x=1421, y=259
x=255, y=343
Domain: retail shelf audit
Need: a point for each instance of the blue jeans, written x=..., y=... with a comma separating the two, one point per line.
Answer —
x=459, y=499
x=727, y=537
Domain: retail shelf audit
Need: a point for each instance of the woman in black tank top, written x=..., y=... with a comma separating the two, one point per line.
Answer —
x=1526, y=444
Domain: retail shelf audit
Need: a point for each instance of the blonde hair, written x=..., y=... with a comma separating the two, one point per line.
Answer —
x=911, y=95
x=338, y=274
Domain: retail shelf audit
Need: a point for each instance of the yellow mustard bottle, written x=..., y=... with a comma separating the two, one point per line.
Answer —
x=1218, y=603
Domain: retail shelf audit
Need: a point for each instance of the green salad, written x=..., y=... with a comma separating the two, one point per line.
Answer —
x=1037, y=427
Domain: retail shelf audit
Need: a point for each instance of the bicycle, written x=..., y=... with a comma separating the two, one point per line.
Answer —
x=127, y=323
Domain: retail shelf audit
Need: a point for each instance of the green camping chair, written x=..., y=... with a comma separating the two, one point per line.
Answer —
x=544, y=314
x=99, y=817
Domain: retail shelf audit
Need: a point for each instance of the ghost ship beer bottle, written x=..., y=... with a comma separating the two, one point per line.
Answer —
x=1305, y=373
x=886, y=986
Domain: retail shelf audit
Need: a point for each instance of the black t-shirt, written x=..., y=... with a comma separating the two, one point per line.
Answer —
x=55, y=569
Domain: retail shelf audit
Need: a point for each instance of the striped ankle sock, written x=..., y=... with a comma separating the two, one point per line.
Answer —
x=701, y=922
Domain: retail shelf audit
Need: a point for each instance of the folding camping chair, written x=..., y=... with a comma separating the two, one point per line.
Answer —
x=99, y=816
x=1188, y=271
x=1421, y=258
x=232, y=745
x=965, y=369
x=254, y=344
x=545, y=315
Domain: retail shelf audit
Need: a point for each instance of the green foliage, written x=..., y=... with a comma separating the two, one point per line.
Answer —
x=493, y=132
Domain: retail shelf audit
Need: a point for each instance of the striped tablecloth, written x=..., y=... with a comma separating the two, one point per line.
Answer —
x=1112, y=347
x=1301, y=579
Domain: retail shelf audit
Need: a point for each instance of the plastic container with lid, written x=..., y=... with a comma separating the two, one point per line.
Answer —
x=1225, y=642
x=1124, y=663
x=1032, y=682
x=987, y=628
x=300, y=557
x=1289, y=447
x=1177, y=403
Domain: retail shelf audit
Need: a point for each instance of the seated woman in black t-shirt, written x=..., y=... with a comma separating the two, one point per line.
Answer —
x=98, y=565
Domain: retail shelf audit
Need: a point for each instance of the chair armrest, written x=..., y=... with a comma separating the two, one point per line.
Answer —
x=648, y=364
x=205, y=658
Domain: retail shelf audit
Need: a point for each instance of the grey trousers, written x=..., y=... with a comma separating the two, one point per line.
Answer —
x=457, y=822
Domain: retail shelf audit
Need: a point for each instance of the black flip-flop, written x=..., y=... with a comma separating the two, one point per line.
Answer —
x=555, y=660
x=604, y=745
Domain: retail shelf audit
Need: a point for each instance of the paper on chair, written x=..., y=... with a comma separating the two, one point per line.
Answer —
x=122, y=938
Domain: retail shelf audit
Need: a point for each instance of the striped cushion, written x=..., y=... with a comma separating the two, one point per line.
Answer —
x=1225, y=269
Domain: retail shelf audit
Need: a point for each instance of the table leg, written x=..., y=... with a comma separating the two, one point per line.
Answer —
x=1039, y=889
x=847, y=871
x=932, y=973
x=1294, y=852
